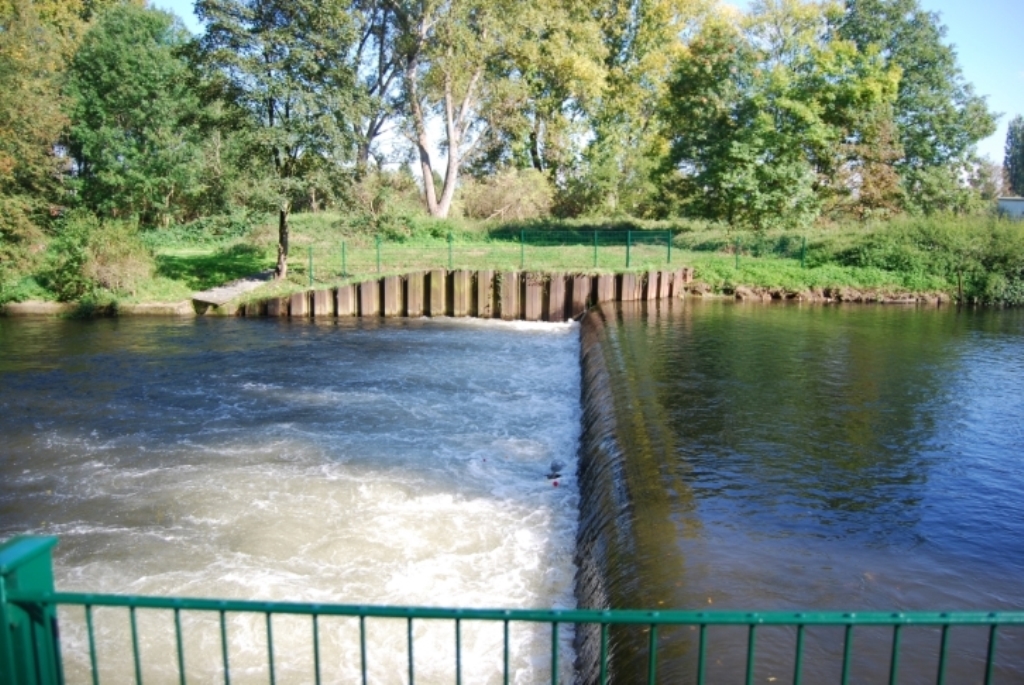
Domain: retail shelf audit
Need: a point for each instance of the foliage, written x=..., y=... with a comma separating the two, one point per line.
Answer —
x=1013, y=163
x=511, y=194
x=759, y=119
x=31, y=120
x=279, y=61
x=89, y=255
x=938, y=116
x=133, y=133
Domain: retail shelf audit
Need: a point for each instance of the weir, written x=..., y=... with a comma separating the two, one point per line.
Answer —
x=616, y=548
x=529, y=296
x=625, y=630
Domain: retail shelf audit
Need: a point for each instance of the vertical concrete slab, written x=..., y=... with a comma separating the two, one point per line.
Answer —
x=393, y=296
x=556, y=298
x=581, y=286
x=369, y=298
x=323, y=303
x=484, y=294
x=687, y=275
x=345, y=301
x=277, y=306
x=606, y=288
x=509, y=295
x=438, y=293
x=414, y=289
x=664, y=285
x=255, y=309
x=533, y=296
x=630, y=288
x=462, y=292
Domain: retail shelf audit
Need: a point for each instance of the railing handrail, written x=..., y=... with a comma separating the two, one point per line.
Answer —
x=606, y=616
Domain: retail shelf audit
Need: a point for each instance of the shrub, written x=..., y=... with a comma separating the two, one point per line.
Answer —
x=509, y=195
x=88, y=255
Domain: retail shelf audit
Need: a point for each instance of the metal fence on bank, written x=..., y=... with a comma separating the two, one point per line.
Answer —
x=31, y=650
x=515, y=251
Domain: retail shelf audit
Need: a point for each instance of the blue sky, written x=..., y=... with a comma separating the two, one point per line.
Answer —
x=987, y=35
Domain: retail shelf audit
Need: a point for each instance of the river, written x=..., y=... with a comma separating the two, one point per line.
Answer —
x=732, y=456
x=361, y=462
x=806, y=457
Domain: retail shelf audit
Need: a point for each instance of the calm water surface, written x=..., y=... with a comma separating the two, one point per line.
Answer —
x=795, y=457
x=355, y=462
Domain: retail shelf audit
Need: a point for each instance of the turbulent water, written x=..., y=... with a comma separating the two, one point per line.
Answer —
x=355, y=462
x=794, y=457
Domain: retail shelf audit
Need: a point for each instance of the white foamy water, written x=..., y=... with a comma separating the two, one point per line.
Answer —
x=400, y=463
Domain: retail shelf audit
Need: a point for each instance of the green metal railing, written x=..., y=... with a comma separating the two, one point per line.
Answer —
x=518, y=250
x=30, y=649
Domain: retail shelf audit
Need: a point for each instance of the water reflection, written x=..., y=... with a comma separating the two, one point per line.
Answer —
x=785, y=457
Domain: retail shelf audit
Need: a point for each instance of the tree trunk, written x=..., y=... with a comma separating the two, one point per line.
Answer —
x=535, y=157
x=282, y=243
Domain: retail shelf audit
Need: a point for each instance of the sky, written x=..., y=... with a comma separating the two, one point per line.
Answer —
x=986, y=35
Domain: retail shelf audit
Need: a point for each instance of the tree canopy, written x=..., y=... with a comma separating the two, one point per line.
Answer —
x=772, y=118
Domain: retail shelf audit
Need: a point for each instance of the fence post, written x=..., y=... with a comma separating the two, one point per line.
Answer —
x=310, y=266
x=803, y=253
x=629, y=244
x=29, y=652
x=595, y=249
x=668, y=235
x=378, y=254
x=449, y=250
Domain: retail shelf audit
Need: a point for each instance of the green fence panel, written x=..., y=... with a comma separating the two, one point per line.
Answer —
x=30, y=648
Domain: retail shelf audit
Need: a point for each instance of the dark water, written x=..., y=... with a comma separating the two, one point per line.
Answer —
x=787, y=457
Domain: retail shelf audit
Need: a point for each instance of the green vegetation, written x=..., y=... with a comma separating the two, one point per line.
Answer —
x=140, y=163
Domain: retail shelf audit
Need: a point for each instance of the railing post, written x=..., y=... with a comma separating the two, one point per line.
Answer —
x=378, y=254
x=668, y=235
x=595, y=249
x=803, y=253
x=629, y=243
x=29, y=652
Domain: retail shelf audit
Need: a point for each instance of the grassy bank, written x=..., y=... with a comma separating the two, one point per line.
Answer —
x=977, y=259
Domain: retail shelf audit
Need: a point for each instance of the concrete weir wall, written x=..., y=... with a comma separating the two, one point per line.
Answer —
x=531, y=296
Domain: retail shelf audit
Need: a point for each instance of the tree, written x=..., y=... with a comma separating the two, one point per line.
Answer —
x=539, y=102
x=31, y=122
x=133, y=132
x=642, y=43
x=939, y=118
x=448, y=52
x=376, y=61
x=1013, y=162
x=766, y=120
x=281, y=65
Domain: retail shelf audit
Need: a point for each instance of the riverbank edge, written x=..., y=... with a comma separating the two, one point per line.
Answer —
x=696, y=289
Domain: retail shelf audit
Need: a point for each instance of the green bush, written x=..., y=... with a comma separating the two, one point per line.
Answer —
x=89, y=255
x=64, y=274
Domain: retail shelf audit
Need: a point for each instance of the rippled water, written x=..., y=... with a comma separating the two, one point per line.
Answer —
x=795, y=457
x=390, y=462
